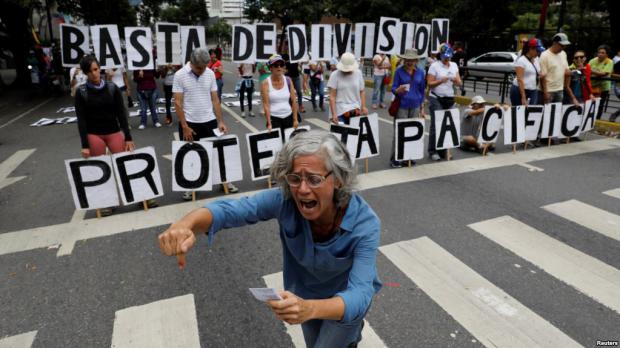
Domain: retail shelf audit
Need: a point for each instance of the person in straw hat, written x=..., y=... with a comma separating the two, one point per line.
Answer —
x=408, y=86
x=347, y=97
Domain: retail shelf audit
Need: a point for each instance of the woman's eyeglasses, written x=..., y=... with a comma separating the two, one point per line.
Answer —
x=278, y=65
x=580, y=57
x=313, y=180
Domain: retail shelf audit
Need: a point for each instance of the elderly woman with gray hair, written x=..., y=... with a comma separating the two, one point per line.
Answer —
x=329, y=235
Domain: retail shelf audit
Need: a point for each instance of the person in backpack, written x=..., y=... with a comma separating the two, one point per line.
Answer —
x=279, y=97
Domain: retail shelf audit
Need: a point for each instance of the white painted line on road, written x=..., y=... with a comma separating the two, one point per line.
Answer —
x=78, y=215
x=613, y=193
x=370, y=339
x=240, y=119
x=10, y=164
x=319, y=123
x=166, y=323
x=588, y=216
x=531, y=168
x=66, y=233
x=495, y=318
x=24, y=340
x=168, y=157
x=590, y=276
x=26, y=112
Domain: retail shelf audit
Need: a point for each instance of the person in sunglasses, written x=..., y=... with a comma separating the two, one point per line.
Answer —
x=580, y=73
x=279, y=96
x=329, y=235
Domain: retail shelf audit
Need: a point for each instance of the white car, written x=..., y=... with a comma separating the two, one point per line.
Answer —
x=495, y=64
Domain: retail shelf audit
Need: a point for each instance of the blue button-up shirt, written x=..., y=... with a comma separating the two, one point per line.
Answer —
x=415, y=96
x=344, y=266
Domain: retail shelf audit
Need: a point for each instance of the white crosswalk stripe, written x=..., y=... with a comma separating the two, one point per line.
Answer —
x=613, y=193
x=487, y=312
x=370, y=339
x=585, y=273
x=166, y=323
x=24, y=340
x=586, y=215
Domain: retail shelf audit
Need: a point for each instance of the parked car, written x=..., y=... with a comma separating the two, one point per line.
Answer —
x=495, y=64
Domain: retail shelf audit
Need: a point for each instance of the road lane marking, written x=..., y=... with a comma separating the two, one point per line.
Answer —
x=495, y=318
x=613, y=193
x=588, y=275
x=531, y=168
x=370, y=339
x=26, y=112
x=10, y=164
x=319, y=123
x=240, y=119
x=42, y=237
x=24, y=340
x=596, y=219
x=166, y=323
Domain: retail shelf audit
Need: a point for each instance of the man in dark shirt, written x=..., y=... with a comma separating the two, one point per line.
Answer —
x=292, y=71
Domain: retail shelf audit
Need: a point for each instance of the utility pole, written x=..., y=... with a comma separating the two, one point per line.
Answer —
x=561, y=20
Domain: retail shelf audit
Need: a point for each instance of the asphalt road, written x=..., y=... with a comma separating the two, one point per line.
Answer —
x=72, y=300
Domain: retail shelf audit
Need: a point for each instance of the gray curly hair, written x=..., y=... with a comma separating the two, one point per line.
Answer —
x=334, y=153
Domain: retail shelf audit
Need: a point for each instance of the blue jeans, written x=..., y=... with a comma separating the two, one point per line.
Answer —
x=434, y=104
x=297, y=85
x=515, y=96
x=220, y=85
x=316, y=86
x=147, y=100
x=378, y=90
x=331, y=333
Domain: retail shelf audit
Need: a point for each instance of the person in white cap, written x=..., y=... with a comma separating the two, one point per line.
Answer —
x=470, y=127
x=555, y=74
x=347, y=97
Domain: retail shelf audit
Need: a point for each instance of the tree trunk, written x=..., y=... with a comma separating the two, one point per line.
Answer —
x=15, y=18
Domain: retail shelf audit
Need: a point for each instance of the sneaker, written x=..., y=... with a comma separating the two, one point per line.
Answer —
x=187, y=196
x=232, y=188
x=396, y=164
x=141, y=126
x=168, y=120
x=151, y=203
x=252, y=114
x=243, y=114
x=157, y=125
x=435, y=157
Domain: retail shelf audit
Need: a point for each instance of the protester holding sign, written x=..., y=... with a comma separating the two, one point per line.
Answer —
x=147, y=94
x=470, y=127
x=197, y=102
x=102, y=116
x=292, y=71
x=408, y=86
x=555, y=75
x=443, y=75
x=330, y=237
x=580, y=74
x=216, y=66
x=347, y=96
x=527, y=69
x=118, y=76
x=278, y=95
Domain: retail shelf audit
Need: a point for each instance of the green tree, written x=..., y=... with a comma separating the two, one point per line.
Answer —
x=286, y=12
x=186, y=12
x=220, y=31
x=100, y=11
